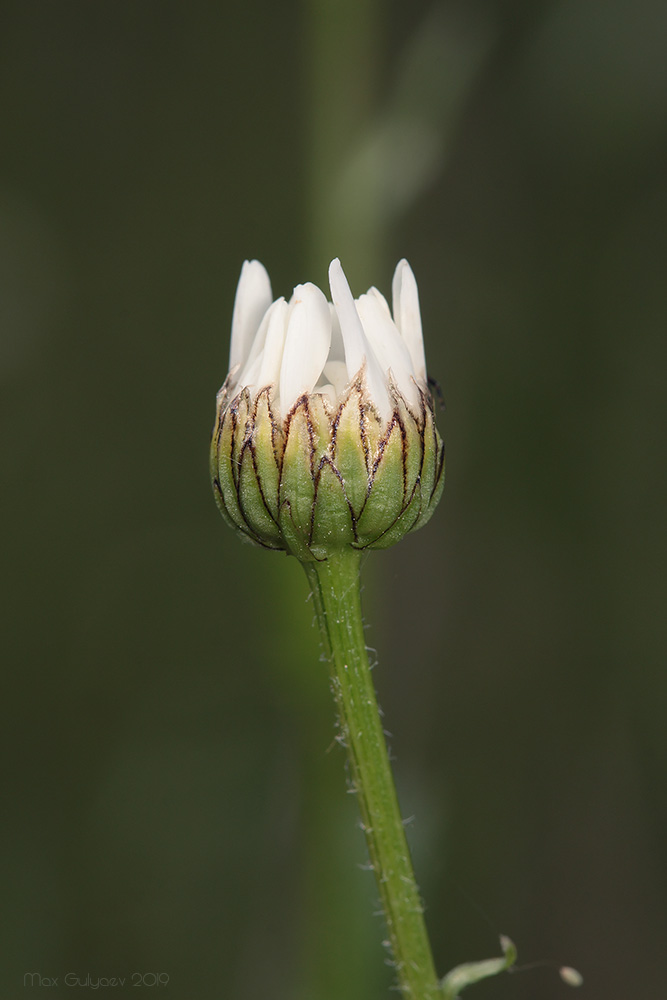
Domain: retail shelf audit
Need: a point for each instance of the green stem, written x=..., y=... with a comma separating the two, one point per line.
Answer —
x=336, y=594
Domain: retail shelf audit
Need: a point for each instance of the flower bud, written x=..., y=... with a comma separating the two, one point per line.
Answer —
x=324, y=434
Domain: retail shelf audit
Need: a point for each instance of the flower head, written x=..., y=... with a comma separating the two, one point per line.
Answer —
x=324, y=433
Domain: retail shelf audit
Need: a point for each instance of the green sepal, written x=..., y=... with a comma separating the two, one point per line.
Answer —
x=386, y=494
x=294, y=539
x=214, y=468
x=413, y=447
x=224, y=465
x=220, y=503
x=433, y=474
x=332, y=517
x=254, y=507
x=430, y=460
x=436, y=493
x=407, y=520
x=297, y=481
x=231, y=465
x=325, y=478
x=267, y=445
x=350, y=449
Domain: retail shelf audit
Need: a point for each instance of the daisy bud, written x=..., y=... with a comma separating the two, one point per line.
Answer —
x=324, y=434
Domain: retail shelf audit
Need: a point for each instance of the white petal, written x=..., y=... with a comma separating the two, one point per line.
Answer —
x=337, y=349
x=272, y=355
x=306, y=344
x=336, y=373
x=408, y=317
x=350, y=324
x=252, y=362
x=249, y=376
x=380, y=298
x=357, y=349
x=253, y=298
x=392, y=354
x=268, y=341
x=329, y=391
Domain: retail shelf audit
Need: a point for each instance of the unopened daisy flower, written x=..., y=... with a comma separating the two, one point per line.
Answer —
x=324, y=435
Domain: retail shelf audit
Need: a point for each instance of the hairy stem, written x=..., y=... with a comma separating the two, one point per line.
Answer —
x=335, y=586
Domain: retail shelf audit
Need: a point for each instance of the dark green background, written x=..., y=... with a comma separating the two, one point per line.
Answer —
x=173, y=802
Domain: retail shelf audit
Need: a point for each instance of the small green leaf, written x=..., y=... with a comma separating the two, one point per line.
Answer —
x=471, y=972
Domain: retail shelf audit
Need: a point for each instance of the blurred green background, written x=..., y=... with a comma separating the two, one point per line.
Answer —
x=173, y=799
